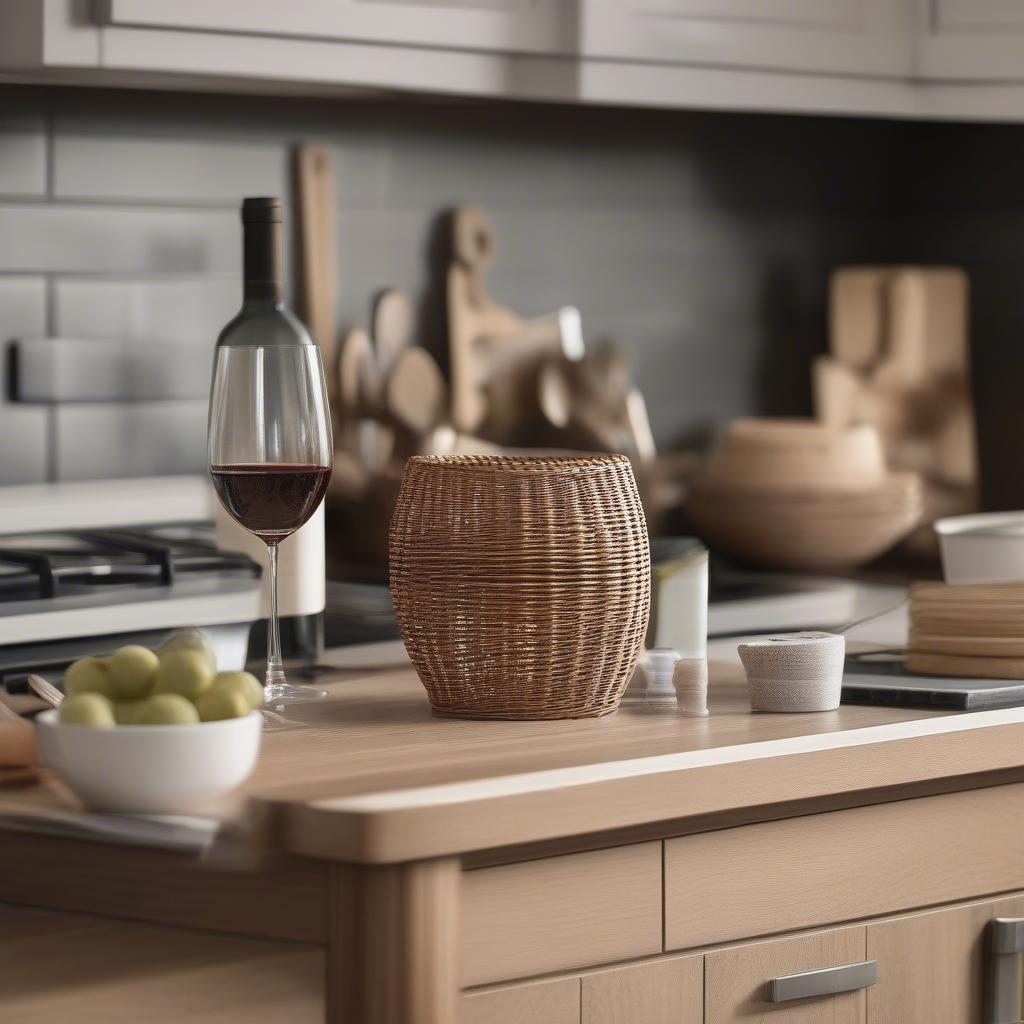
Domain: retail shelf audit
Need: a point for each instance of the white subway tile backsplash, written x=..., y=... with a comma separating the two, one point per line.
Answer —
x=165, y=170
x=22, y=307
x=189, y=311
x=22, y=164
x=24, y=433
x=97, y=441
x=92, y=370
x=118, y=240
x=22, y=315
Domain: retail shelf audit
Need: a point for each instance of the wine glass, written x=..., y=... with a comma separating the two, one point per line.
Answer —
x=270, y=459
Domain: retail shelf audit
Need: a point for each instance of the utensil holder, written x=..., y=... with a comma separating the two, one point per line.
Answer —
x=521, y=585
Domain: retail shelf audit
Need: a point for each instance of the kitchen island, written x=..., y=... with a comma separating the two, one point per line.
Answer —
x=390, y=867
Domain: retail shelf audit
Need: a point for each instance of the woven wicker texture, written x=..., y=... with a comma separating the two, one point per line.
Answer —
x=521, y=585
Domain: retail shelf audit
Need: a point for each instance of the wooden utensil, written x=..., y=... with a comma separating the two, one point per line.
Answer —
x=392, y=326
x=45, y=690
x=317, y=262
x=17, y=738
x=415, y=393
x=357, y=373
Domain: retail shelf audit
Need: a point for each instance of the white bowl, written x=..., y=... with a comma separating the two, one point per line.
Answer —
x=983, y=548
x=150, y=769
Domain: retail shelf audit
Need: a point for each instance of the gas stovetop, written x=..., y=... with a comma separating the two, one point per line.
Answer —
x=63, y=590
x=98, y=566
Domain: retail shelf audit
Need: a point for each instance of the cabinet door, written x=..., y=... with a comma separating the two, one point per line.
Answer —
x=532, y=26
x=931, y=967
x=545, y=1002
x=971, y=40
x=662, y=992
x=861, y=37
x=57, y=967
x=739, y=981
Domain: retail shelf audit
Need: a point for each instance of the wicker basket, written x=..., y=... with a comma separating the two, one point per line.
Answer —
x=521, y=585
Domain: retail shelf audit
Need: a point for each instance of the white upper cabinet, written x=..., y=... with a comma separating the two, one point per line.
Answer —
x=526, y=26
x=834, y=37
x=904, y=58
x=972, y=40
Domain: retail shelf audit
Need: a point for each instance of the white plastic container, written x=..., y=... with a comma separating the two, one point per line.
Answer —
x=983, y=548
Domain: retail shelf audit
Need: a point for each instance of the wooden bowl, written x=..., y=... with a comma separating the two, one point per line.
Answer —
x=798, y=533
x=784, y=456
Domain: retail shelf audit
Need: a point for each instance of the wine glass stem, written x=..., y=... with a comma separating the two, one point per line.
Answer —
x=275, y=670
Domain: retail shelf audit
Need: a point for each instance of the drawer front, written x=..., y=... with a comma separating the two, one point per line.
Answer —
x=739, y=980
x=546, y=1002
x=667, y=991
x=561, y=913
x=843, y=865
x=92, y=970
x=931, y=966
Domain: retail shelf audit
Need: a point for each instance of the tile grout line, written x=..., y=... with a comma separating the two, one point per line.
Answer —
x=50, y=317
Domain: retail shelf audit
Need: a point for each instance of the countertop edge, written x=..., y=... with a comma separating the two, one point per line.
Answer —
x=463, y=817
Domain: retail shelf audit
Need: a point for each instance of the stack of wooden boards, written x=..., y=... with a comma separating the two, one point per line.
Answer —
x=795, y=494
x=900, y=362
x=967, y=629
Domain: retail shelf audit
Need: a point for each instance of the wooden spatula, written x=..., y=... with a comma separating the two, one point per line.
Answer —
x=317, y=265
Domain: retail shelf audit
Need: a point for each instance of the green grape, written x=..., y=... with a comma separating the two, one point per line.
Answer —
x=88, y=675
x=244, y=683
x=188, y=639
x=92, y=709
x=185, y=671
x=221, y=702
x=133, y=670
x=167, y=709
x=126, y=712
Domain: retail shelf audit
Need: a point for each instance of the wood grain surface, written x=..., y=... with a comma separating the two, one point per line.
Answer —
x=819, y=869
x=737, y=980
x=560, y=913
x=669, y=991
x=931, y=966
x=57, y=968
x=543, y=1002
x=284, y=899
x=393, y=955
x=376, y=778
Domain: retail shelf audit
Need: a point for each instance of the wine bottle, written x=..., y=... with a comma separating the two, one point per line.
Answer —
x=265, y=321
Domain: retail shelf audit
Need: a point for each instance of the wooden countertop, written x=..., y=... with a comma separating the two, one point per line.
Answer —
x=375, y=778
x=378, y=779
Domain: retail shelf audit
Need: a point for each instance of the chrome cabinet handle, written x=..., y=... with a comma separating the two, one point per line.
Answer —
x=828, y=981
x=1006, y=971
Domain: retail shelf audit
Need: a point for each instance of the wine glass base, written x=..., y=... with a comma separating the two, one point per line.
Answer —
x=291, y=693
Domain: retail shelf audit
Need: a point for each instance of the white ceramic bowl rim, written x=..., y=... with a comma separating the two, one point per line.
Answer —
x=993, y=525
x=49, y=720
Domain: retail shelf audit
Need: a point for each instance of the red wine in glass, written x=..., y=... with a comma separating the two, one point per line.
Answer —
x=271, y=499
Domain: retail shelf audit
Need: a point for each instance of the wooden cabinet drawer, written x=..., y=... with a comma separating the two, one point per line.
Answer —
x=561, y=913
x=931, y=966
x=92, y=970
x=842, y=865
x=545, y=1002
x=738, y=980
x=669, y=991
